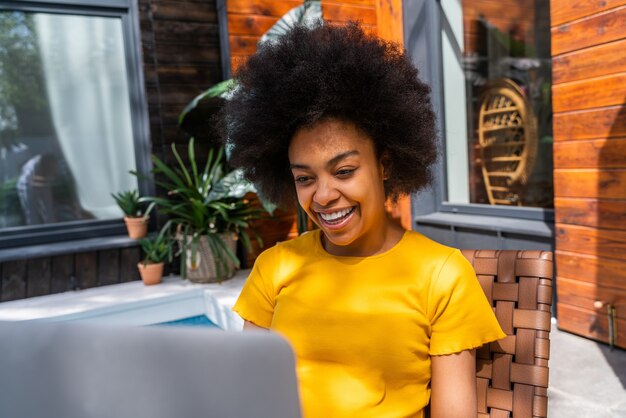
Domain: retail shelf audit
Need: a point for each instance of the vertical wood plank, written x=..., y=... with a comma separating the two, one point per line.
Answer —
x=108, y=267
x=62, y=273
x=180, y=43
x=13, y=280
x=129, y=257
x=86, y=273
x=39, y=272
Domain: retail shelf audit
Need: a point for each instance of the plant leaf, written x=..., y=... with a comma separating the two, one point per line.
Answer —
x=183, y=169
x=217, y=90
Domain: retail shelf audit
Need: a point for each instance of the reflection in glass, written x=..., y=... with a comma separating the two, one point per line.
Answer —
x=499, y=141
x=65, y=131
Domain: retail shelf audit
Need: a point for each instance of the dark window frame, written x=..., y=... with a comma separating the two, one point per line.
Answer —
x=127, y=11
x=422, y=34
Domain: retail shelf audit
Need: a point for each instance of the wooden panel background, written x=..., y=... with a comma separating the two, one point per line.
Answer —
x=40, y=276
x=248, y=20
x=589, y=103
x=181, y=59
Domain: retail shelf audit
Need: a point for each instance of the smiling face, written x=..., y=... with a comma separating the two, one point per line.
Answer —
x=339, y=183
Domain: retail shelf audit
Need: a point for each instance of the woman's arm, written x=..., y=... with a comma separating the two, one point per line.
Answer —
x=247, y=325
x=453, y=384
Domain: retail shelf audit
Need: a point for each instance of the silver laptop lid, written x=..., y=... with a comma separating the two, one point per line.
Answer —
x=84, y=371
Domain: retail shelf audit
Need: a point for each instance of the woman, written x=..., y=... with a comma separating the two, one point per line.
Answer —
x=383, y=321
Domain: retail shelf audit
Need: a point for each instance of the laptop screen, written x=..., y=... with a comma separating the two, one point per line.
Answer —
x=76, y=370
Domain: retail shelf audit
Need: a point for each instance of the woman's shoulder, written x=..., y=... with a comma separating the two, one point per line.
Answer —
x=421, y=245
x=301, y=247
x=441, y=263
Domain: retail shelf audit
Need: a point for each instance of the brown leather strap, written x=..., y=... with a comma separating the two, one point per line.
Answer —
x=512, y=374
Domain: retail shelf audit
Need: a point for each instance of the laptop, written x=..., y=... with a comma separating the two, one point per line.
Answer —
x=70, y=370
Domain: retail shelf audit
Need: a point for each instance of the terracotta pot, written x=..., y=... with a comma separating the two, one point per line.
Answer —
x=203, y=268
x=278, y=227
x=137, y=227
x=151, y=273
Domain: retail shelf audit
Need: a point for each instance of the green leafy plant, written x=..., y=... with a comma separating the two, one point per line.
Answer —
x=159, y=248
x=131, y=204
x=216, y=94
x=206, y=201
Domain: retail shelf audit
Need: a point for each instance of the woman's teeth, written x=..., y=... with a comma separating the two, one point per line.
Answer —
x=330, y=217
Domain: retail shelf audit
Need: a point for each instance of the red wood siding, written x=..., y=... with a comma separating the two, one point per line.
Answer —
x=589, y=102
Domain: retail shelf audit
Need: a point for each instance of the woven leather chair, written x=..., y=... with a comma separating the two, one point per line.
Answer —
x=512, y=374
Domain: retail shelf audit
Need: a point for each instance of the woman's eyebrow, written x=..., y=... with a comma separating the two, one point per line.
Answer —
x=330, y=162
x=340, y=157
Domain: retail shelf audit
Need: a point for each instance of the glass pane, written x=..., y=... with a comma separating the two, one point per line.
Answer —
x=498, y=110
x=65, y=131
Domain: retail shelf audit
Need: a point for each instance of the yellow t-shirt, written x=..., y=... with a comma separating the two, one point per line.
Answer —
x=363, y=328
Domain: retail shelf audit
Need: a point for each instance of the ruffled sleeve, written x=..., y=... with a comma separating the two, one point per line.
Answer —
x=460, y=315
x=257, y=299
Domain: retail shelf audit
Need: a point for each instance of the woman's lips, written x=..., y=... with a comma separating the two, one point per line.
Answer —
x=336, y=223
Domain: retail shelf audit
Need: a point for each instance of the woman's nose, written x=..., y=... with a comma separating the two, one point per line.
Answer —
x=325, y=193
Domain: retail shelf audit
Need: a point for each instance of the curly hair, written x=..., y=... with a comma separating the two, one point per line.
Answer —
x=325, y=72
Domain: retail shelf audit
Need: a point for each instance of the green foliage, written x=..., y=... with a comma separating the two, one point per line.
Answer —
x=195, y=120
x=159, y=248
x=128, y=201
x=205, y=202
x=131, y=204
x=308, y=14
x=218, y=90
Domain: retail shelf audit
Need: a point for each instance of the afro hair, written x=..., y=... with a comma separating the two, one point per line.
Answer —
x=325, y=72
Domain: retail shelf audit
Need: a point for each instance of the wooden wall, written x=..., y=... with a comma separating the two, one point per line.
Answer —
x=181, y=59
x=26, y=278
x=248, y=20
x=589, y=103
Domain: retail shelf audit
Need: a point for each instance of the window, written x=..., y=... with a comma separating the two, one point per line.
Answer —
x=496, y=71
x=70, y=126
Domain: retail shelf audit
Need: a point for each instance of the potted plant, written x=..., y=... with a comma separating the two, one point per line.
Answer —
x=157, y=250
x=135, y=218
x=209, y=210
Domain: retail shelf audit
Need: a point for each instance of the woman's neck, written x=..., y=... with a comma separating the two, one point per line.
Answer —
x=374, y=242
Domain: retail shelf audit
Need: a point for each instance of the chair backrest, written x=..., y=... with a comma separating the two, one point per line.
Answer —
x=512, y=374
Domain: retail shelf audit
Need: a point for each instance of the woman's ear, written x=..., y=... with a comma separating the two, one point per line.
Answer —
x=385, y=165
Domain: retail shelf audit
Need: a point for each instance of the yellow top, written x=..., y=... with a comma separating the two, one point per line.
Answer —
x=364, y=328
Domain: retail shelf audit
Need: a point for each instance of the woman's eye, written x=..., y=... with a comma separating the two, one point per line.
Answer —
x=302, y=179
x=345, y=172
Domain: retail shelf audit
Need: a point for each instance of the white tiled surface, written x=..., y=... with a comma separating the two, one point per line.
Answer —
x=134, y=303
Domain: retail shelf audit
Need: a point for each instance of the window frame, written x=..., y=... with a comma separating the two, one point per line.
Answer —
x=430, y=22
x=127, y=11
